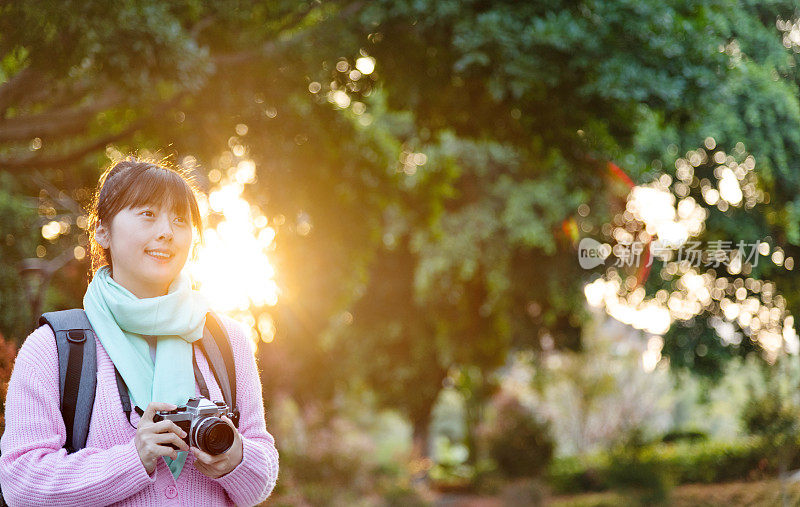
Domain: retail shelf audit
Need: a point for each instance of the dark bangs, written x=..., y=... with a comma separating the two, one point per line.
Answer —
x=134, y=184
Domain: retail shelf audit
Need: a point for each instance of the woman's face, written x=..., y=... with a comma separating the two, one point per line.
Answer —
x=149, y=247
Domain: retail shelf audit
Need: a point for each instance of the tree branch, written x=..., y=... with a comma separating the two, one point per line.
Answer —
x=56, y=123
x=72, y=121
x=64, y=200
x=41, y=161
x=63, y=96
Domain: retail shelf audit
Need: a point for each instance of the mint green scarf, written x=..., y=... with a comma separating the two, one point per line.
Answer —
x=121, y=320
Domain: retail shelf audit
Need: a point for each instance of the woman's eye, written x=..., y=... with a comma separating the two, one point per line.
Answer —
x=180, y=220
x=147, y=213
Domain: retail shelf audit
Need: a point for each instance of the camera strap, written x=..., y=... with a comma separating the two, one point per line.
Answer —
x=217, y=349
x=125, y=398
x=198, y=375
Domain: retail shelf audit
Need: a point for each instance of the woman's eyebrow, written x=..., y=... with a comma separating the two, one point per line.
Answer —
x=146, y=206
x=177, y=210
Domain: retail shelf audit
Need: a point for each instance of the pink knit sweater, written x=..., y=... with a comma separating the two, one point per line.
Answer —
x=35, y=469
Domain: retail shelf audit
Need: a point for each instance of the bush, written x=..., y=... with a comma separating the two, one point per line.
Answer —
x=684, y=436
x=770, y=415
x=573, y=474
x=774, y=418
x=338, y=452
x=632, y=468
x=326, y=458
x=678, y=463
x=519, y=443
x=709, y=462
x=341, y=453
x=451, y=471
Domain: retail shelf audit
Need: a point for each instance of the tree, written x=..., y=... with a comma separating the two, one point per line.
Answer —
x=442, y=186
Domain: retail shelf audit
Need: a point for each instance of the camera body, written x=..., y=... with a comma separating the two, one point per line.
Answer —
x=201, y=419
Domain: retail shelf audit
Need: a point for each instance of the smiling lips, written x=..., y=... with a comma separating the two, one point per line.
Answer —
x=161, y=255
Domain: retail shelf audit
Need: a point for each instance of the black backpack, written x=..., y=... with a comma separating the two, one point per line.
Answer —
x=77, y=364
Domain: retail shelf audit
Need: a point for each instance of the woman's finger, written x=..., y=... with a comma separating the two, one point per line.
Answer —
x=206, y=458
x=155, y=406
x=168, y=426
x=170, y=438
x=163, y=450
x=206, y=470
x=230, y=423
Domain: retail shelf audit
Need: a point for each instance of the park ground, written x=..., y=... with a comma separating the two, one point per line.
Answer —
x=755, y=493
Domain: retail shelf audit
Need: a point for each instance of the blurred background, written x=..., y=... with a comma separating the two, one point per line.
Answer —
x=399, y=199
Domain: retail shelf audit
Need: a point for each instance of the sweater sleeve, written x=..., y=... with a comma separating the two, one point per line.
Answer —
x=35, y=469
x=252, y=481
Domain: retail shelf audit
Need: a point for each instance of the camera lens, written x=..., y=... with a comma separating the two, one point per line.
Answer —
x=214, y=436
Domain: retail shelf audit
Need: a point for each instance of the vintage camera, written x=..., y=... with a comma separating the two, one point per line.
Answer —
x=201, y=419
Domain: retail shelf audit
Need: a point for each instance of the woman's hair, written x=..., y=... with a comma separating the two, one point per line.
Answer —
x=135, y=182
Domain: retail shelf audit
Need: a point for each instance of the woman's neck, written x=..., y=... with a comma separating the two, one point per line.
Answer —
x=138, y=289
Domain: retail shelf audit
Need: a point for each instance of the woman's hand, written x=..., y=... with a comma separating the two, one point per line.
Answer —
x=221, y=464
x=152, y=438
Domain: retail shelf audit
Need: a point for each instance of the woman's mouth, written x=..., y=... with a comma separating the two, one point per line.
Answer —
x=160, y=255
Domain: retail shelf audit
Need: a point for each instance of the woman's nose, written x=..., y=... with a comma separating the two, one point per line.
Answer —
x=165, y=230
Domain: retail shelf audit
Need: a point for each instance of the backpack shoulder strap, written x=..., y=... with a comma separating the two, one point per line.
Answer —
x=77, y=368
x=216, y=346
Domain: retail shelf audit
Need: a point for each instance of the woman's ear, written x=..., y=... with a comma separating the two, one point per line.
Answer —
x=102, y=235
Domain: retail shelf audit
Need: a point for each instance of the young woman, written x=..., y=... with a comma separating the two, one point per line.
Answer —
x=146, y=316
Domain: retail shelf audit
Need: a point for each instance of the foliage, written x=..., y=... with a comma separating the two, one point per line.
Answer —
x=340, y=454
x=763, y=492
x=770, y=415
x=629, y=469
x=8, y=351
x=18, y=235
x=572, y=474
x=676, y=463
x=518, y=441
x=773, y=416
x=448, y=433
x=450, y=471
x=443, y=187
x=714, y=407
x=714, y=461
x=684, y=436
x=593, y=398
